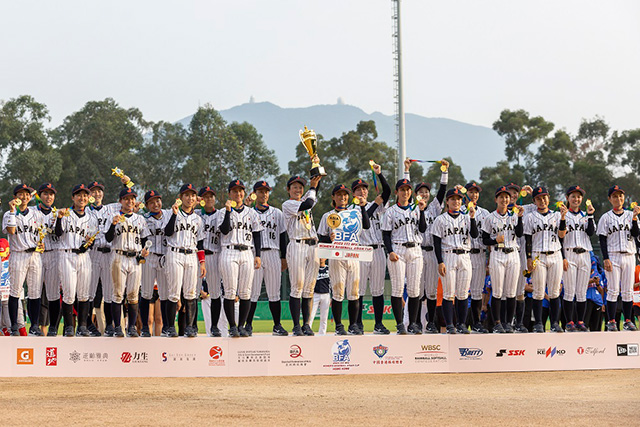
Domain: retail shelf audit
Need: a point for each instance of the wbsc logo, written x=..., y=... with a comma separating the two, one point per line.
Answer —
x=341, y=351
x=380, y=350
x=467, y=353
x=25, y=356
x=627, y=349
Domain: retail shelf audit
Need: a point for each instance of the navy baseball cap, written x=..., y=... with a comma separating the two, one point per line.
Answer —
x=575, y=188
x=127, y=192
x=501, y=190
x=95, y=184
x=340, y=187
x=206, y=189
x=611, y=190
x=359, y=183
x=236, y=183
x=22, y=187
x=47, y=186
x=296, y=178
x=402, y=183
x=423, y=185
x=513, y=186
x=453, y=192
x=151, y=195
x=539, y=191
x=261, y=184
x=78, y=188
x=473, y=186
x=187, y=187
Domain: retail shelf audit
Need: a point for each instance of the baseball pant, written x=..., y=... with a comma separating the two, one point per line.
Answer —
x=457, y=280
x=270, y=272
x=182, y=275
x=101, y=271
x=303, y=266
x=409, y=267
x=211, y=263
x=429, y=279
x=153, y=272
x=344, y=275
x=373, y=272
x=548, y=272
x=576, y=278
x=75, y=275
x=126, y=275
x=504, y=269
x=51, y=274
x=236, y=269
x=619, y=279
x=478, y=273
x=322, y=302
x=25, y=265
x=522, y=281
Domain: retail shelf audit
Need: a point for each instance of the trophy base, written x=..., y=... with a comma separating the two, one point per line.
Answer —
x=317, y=171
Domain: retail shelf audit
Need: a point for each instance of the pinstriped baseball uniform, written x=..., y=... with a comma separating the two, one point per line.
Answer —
x=182, y=268
x=302, y=258
x=272, y=221
x=528, y=208
x=75, y=268
x=504, y=260
x=101, y=253
x=211, y=244
x=153, y=270
x=479, y=259
x=429, y=278
x=126, y=272
x=454, y=233
x=576, y=246
x=621, y=248
x=50, y=259
x=374, y=271
x=544, y=238
x=24, y=262
x=403, y=225
x=236, y=259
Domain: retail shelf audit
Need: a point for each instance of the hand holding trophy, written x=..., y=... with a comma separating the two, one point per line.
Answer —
x=309, y=140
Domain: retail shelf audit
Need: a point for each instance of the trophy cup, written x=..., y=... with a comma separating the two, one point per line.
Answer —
x=42, y=233
x=310, y=142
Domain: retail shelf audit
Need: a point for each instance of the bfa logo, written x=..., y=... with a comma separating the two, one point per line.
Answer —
x=341, y=351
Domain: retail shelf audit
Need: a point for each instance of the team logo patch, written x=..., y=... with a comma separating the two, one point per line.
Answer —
x=380, y=350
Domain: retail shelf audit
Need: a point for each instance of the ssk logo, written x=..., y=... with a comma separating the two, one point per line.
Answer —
x=467, y=353
x=505, y=352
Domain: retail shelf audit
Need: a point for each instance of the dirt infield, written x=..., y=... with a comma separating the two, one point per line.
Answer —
x=552, y=398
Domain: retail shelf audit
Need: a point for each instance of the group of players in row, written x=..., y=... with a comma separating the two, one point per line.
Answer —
x=129, y=248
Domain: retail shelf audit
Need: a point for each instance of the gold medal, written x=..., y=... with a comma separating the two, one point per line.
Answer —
x=418, y=198
x=588, y=202
x=471, y=205
x=178, y=202
x=141, y=205
x=356, y=201
x=202, y=203
x=308, y=225
x=463, y=190
x=633, y=205
x=233, y=204
x=372, y=163
x=523, y=193
x=333, y=221
x=18, y=202
x=443, y=168
x=92, y=199
x=253, y=197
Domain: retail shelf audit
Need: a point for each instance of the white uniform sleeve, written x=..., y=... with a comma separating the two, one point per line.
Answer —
x=256, y=225
x=603, y=225
x=387, y=221
x=290, y=208
x=200, y=225
x=323, y=228
x=145, y=232
x=436, y=228
x=280, y=222
x=528, y=225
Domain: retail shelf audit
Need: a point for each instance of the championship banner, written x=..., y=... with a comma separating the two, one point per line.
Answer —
x=346, y=225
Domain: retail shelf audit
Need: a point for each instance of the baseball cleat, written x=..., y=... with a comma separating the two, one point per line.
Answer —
x=508, y=329
x=611, y=326
x=581, y=327
x=521, y=329
x=380, y=329
x=34, y=331
x=629, y=326
x=233, y=332
x=478, y=328
x=538, y=328
x=145, y=332
x=401, y=329
x=354, y=330
x=451, y=330
x=117, y=332
x=462, y=329
x=52, y=332
x=132, y=332
x=215, y=332
x=556, y=328
x=171, y=332
x=109, y=330
x=498, y=329
x=15, y=332
x=93, y=330
x=414, y=329
x=190, y=332
x=68, y=331
x=83, y=332
x=306, y=330
x=279, y=331
x=340, y=329
x=570, y=327
x=361, y=327
x=249, y=330
x=432, y=328
x=297, y=331
x=242, y=331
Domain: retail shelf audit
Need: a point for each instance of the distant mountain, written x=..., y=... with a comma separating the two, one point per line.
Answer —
x=470, y=146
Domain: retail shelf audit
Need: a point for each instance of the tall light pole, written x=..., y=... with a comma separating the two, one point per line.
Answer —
x=397, y=84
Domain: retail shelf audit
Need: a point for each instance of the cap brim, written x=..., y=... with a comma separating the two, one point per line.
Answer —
x=502, y=192
x=578, y=190
x=81, y=189
x=153, y=197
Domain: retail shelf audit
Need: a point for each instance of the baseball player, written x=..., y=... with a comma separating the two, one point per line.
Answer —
x=577, y=262
x=451, y=243
x=401, y=228
x=322, y=297
x=211, y=244
x=543, y=230
x=240, y=233
x=500, y=231
x=127, y=233
x=153, y=270
x=617, y=229
x=301, y=256
x=76, y=229
x=429, y=278
x=185, y=257
x=373, y=272
x=344, y=275
x=21, y=224
x=273, y=239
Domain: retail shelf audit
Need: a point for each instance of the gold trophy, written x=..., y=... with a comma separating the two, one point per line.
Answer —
x=310, y=142
x=90, y=239
x=42, y=232
x=120, y=174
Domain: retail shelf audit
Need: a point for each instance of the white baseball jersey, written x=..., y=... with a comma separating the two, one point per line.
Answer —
x=543, y=230
x=51, y=241
x=373, y=234
x=102, y=214
x=495, y=224
x=243, y=224
x=272, y=222
x=617, y=229
x=156, y=226
x=299, y=225
x=211, y=231
x=481, y=215
x=577, y=236
x=27, y=223
x=77, y=229
x=403, y=224
x=188, y=230
x=453, y=231
x=430, y=214
x=129, y=234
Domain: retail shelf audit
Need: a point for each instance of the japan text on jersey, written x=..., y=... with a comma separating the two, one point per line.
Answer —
x=403, y=224
x=272, y=222
x=496, y=224
x=453, y=231
x=543, y=230
x=617, y=229
x=27, y=229
x=577, y=237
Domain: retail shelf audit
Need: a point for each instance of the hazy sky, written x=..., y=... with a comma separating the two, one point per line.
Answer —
x=464, y=60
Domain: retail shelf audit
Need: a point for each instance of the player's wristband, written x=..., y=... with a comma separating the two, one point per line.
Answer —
x=200, y=256
x=11, y=220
